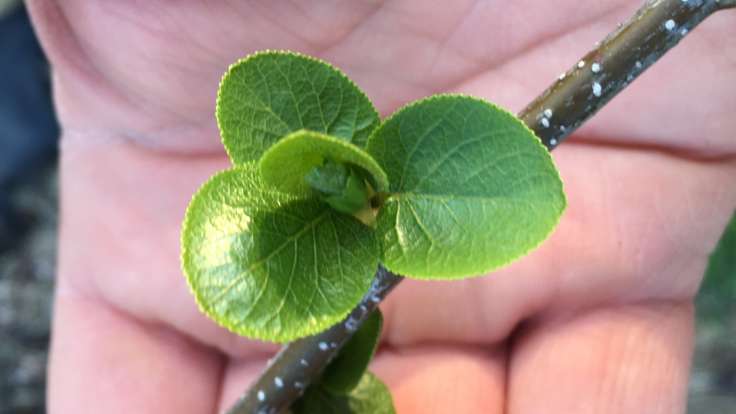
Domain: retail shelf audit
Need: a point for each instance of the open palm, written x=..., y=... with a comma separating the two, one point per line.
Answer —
x=599, y=319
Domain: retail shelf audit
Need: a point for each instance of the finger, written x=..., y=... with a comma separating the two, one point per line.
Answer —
x=657, y=109
x=631, y=359
x=121, y=213
x=160, y=85
x=423, y=49
x=104, y=361
x=239, y=374
x=445, y=379
x=639, y=226
x=438, y=47
x=427, y=380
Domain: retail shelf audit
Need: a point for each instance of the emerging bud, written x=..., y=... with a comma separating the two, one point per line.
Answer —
x=341, y=186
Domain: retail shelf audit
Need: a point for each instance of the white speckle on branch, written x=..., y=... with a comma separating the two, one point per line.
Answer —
x=597, y=89
x=351, y=324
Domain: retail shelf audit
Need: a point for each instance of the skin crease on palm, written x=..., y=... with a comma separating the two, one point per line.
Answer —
x=597, y=320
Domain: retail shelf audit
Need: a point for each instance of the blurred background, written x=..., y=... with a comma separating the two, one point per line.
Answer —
x=28, y=219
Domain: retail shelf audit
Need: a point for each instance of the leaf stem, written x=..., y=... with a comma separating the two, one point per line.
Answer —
x=573, y=98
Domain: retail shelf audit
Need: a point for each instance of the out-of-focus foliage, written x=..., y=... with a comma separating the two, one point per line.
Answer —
x=717, y=298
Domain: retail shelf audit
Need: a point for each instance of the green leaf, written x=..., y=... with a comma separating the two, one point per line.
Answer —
x=285, y=165
x=717, y=293
x=472, y=188
x=340, y=186
x=269, y=265
x=343, y=374
x=270, y=94
x=371, y=396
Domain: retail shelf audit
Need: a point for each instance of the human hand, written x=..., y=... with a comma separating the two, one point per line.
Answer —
x=599, y=319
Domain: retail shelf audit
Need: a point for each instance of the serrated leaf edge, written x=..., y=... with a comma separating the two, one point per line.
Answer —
x=513, y=118
x=272, y=52
x=249, y=333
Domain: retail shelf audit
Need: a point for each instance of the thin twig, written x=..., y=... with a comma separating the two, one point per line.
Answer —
x=576, y=96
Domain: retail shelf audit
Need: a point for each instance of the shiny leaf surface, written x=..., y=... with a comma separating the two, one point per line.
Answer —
x=269, y=265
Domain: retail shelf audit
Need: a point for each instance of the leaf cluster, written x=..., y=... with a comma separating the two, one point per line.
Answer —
x=285, y=243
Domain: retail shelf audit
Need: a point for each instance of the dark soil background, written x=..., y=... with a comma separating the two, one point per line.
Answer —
x=28, y=220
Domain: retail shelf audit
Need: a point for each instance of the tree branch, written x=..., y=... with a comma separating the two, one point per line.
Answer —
x=609, y=68
x=302, y=361
x=576, y=96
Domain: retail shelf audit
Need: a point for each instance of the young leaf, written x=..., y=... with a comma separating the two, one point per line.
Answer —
x=371, y=396
x=285, y=165
x=343, y=374
x=472, y=188
x=270, y=94
x=269, y=265
x=340, y=186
